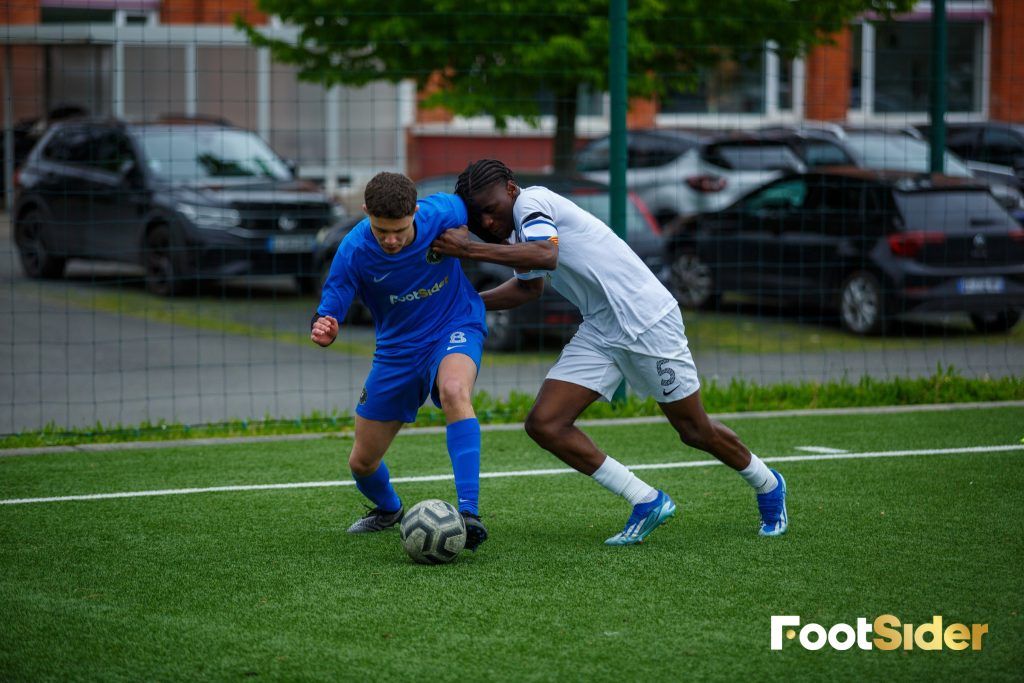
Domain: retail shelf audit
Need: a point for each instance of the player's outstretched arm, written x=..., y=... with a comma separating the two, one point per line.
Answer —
x=537, y=255
x=512, y=293
x=324, y=330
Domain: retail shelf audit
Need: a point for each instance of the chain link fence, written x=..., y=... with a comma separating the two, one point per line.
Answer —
x=178, y=182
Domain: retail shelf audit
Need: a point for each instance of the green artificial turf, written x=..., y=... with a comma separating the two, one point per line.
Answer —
x=266, y=584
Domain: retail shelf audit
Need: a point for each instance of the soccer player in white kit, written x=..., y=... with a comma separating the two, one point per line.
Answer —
x=632, y=329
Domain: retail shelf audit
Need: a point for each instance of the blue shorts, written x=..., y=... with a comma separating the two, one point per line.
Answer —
x=396, y=390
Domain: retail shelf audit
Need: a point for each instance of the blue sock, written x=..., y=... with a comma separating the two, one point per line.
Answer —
x=464, y=450
x=377, y=487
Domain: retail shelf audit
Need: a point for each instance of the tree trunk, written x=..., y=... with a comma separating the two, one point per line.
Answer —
x=565, y=131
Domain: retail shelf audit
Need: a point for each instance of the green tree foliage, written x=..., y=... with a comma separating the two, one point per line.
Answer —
x=494, y=58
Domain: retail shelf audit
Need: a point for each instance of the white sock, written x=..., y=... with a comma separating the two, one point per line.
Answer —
x=759, y=476
x=617, y=478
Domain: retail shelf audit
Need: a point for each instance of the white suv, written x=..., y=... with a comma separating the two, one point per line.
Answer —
x=681, y=174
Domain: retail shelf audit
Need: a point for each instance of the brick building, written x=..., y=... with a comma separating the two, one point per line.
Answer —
x=139, y=58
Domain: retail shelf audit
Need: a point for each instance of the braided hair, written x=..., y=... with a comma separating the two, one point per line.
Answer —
x=477, y=177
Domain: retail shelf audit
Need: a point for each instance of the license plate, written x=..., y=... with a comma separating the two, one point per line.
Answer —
x=981, y=285
x=290, y=244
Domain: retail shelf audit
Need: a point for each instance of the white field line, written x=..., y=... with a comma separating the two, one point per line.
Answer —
x=516, y=473
x=504, y=427
x=820, y=449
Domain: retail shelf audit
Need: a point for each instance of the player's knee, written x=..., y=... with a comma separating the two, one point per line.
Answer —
x=360, y=465
x=540, y=429
x=454, y=393
x=693, y=432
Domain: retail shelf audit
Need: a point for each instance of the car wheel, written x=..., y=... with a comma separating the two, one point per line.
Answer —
x=692, y=282
x=862, y=304
x=36, y=261
x=163, y=274
x=502, y=334
x=1003, y=321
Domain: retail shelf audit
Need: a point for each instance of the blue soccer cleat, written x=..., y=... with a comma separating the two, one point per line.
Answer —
x=646, y=517
x=774, y=520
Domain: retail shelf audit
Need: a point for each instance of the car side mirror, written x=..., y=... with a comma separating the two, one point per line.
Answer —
x=126, y=170
x=293, y=167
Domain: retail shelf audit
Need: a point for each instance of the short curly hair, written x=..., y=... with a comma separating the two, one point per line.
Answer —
x=479, y=176
x=390, y=195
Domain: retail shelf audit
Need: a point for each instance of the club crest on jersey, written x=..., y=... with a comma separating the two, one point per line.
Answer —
x=433, y=258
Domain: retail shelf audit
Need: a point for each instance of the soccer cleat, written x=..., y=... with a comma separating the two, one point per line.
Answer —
x=774, y=520
x=646, y=517
x=476, y=532
x=377, y=520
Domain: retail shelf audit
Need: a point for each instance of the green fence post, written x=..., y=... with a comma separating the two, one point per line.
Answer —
x=937, y=110
x=617, y=74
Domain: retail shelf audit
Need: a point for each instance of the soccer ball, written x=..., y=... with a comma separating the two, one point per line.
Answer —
x=433, y=532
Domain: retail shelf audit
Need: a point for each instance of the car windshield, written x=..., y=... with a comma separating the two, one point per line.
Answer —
x=956, y=211
x=745, y=157
x=821, y=153
x=642, y=150
x=898, y=153
x=198, y=154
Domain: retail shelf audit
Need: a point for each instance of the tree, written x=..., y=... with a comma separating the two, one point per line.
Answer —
x=495, y=59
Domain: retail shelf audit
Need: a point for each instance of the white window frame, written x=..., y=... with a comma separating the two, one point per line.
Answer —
x=772, y=114
x=866, y=116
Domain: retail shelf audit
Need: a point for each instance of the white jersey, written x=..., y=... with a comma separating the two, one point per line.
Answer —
x=615, y=291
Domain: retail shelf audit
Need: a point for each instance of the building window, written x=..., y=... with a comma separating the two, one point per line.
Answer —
x=856, y=60
x=75, y=15
x=154, y=81
x=58, y=14
x=901, y=62
x=733, y=86
x=785, y=85
x=226, y=84
x=80, y=75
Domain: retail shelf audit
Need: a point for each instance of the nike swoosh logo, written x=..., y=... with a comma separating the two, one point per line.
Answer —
x=457, y=346
x=666, y=392
x=378, y=279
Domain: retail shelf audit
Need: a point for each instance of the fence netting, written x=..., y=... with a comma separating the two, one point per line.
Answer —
x=178, y=183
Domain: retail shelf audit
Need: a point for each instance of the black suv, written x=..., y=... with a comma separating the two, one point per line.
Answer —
x=870, y=244
x=992, y=149
x=185, y=201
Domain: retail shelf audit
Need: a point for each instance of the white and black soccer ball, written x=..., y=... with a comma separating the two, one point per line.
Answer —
x=433, y=532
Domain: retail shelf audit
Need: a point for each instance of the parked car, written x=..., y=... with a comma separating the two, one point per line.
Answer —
x=183, y=201
x=886, y=150
x=680, y=174
x=814, y=146
x=992, y=149
x=868, y=244
x=27, y=133
x=552, y=314
x=882, y=149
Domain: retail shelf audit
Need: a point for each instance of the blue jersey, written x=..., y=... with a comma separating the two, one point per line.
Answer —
x=415, y=295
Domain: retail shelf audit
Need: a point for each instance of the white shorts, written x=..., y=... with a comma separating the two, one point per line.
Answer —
x=658, y=363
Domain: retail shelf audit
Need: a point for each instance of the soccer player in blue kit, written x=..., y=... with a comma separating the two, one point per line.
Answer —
x=430, y=331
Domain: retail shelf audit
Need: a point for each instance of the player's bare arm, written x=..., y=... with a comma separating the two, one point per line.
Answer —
x=512, y=293
x=324, y=330
x=538, y=255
